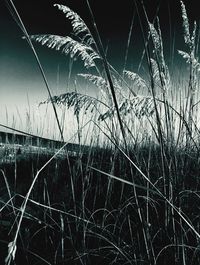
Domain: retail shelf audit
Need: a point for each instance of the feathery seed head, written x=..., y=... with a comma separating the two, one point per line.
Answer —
x=186, y=26
x=78, y=25
x=67, y=45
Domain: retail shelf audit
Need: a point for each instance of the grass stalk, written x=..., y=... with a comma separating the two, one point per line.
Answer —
x=14, y=12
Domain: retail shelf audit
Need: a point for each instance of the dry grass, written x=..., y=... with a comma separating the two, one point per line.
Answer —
x=133, y=199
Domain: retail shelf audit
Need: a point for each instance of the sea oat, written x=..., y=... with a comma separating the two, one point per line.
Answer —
x=78, y=25
x=67, y=45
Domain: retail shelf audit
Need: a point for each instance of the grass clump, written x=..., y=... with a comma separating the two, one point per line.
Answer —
x=131, y=199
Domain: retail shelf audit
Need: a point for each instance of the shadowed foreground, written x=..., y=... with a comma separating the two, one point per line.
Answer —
x=77, y=215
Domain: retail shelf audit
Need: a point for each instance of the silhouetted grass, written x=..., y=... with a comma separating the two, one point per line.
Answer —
x=131, y=199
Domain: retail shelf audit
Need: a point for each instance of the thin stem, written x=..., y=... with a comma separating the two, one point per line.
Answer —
x=20, y=23
x=106, y=67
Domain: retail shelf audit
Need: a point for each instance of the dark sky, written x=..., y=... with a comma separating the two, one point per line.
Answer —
x=21, y=83
x=113, y=20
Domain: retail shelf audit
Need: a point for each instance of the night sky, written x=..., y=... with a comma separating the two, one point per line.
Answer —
x=22, y=87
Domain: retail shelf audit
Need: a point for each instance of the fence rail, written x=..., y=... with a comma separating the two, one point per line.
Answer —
x=16, y=146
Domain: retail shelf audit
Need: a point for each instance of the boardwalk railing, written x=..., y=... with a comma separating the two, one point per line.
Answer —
x=14, y=146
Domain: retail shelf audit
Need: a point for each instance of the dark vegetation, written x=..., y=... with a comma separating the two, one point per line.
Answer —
x=77, y=215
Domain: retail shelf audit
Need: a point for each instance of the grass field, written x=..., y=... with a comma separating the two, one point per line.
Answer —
x=131, y=196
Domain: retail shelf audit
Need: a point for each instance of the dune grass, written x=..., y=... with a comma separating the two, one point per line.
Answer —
x=129, y=199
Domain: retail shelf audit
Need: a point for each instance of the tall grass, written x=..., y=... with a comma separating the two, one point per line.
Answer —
x=131, y=198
